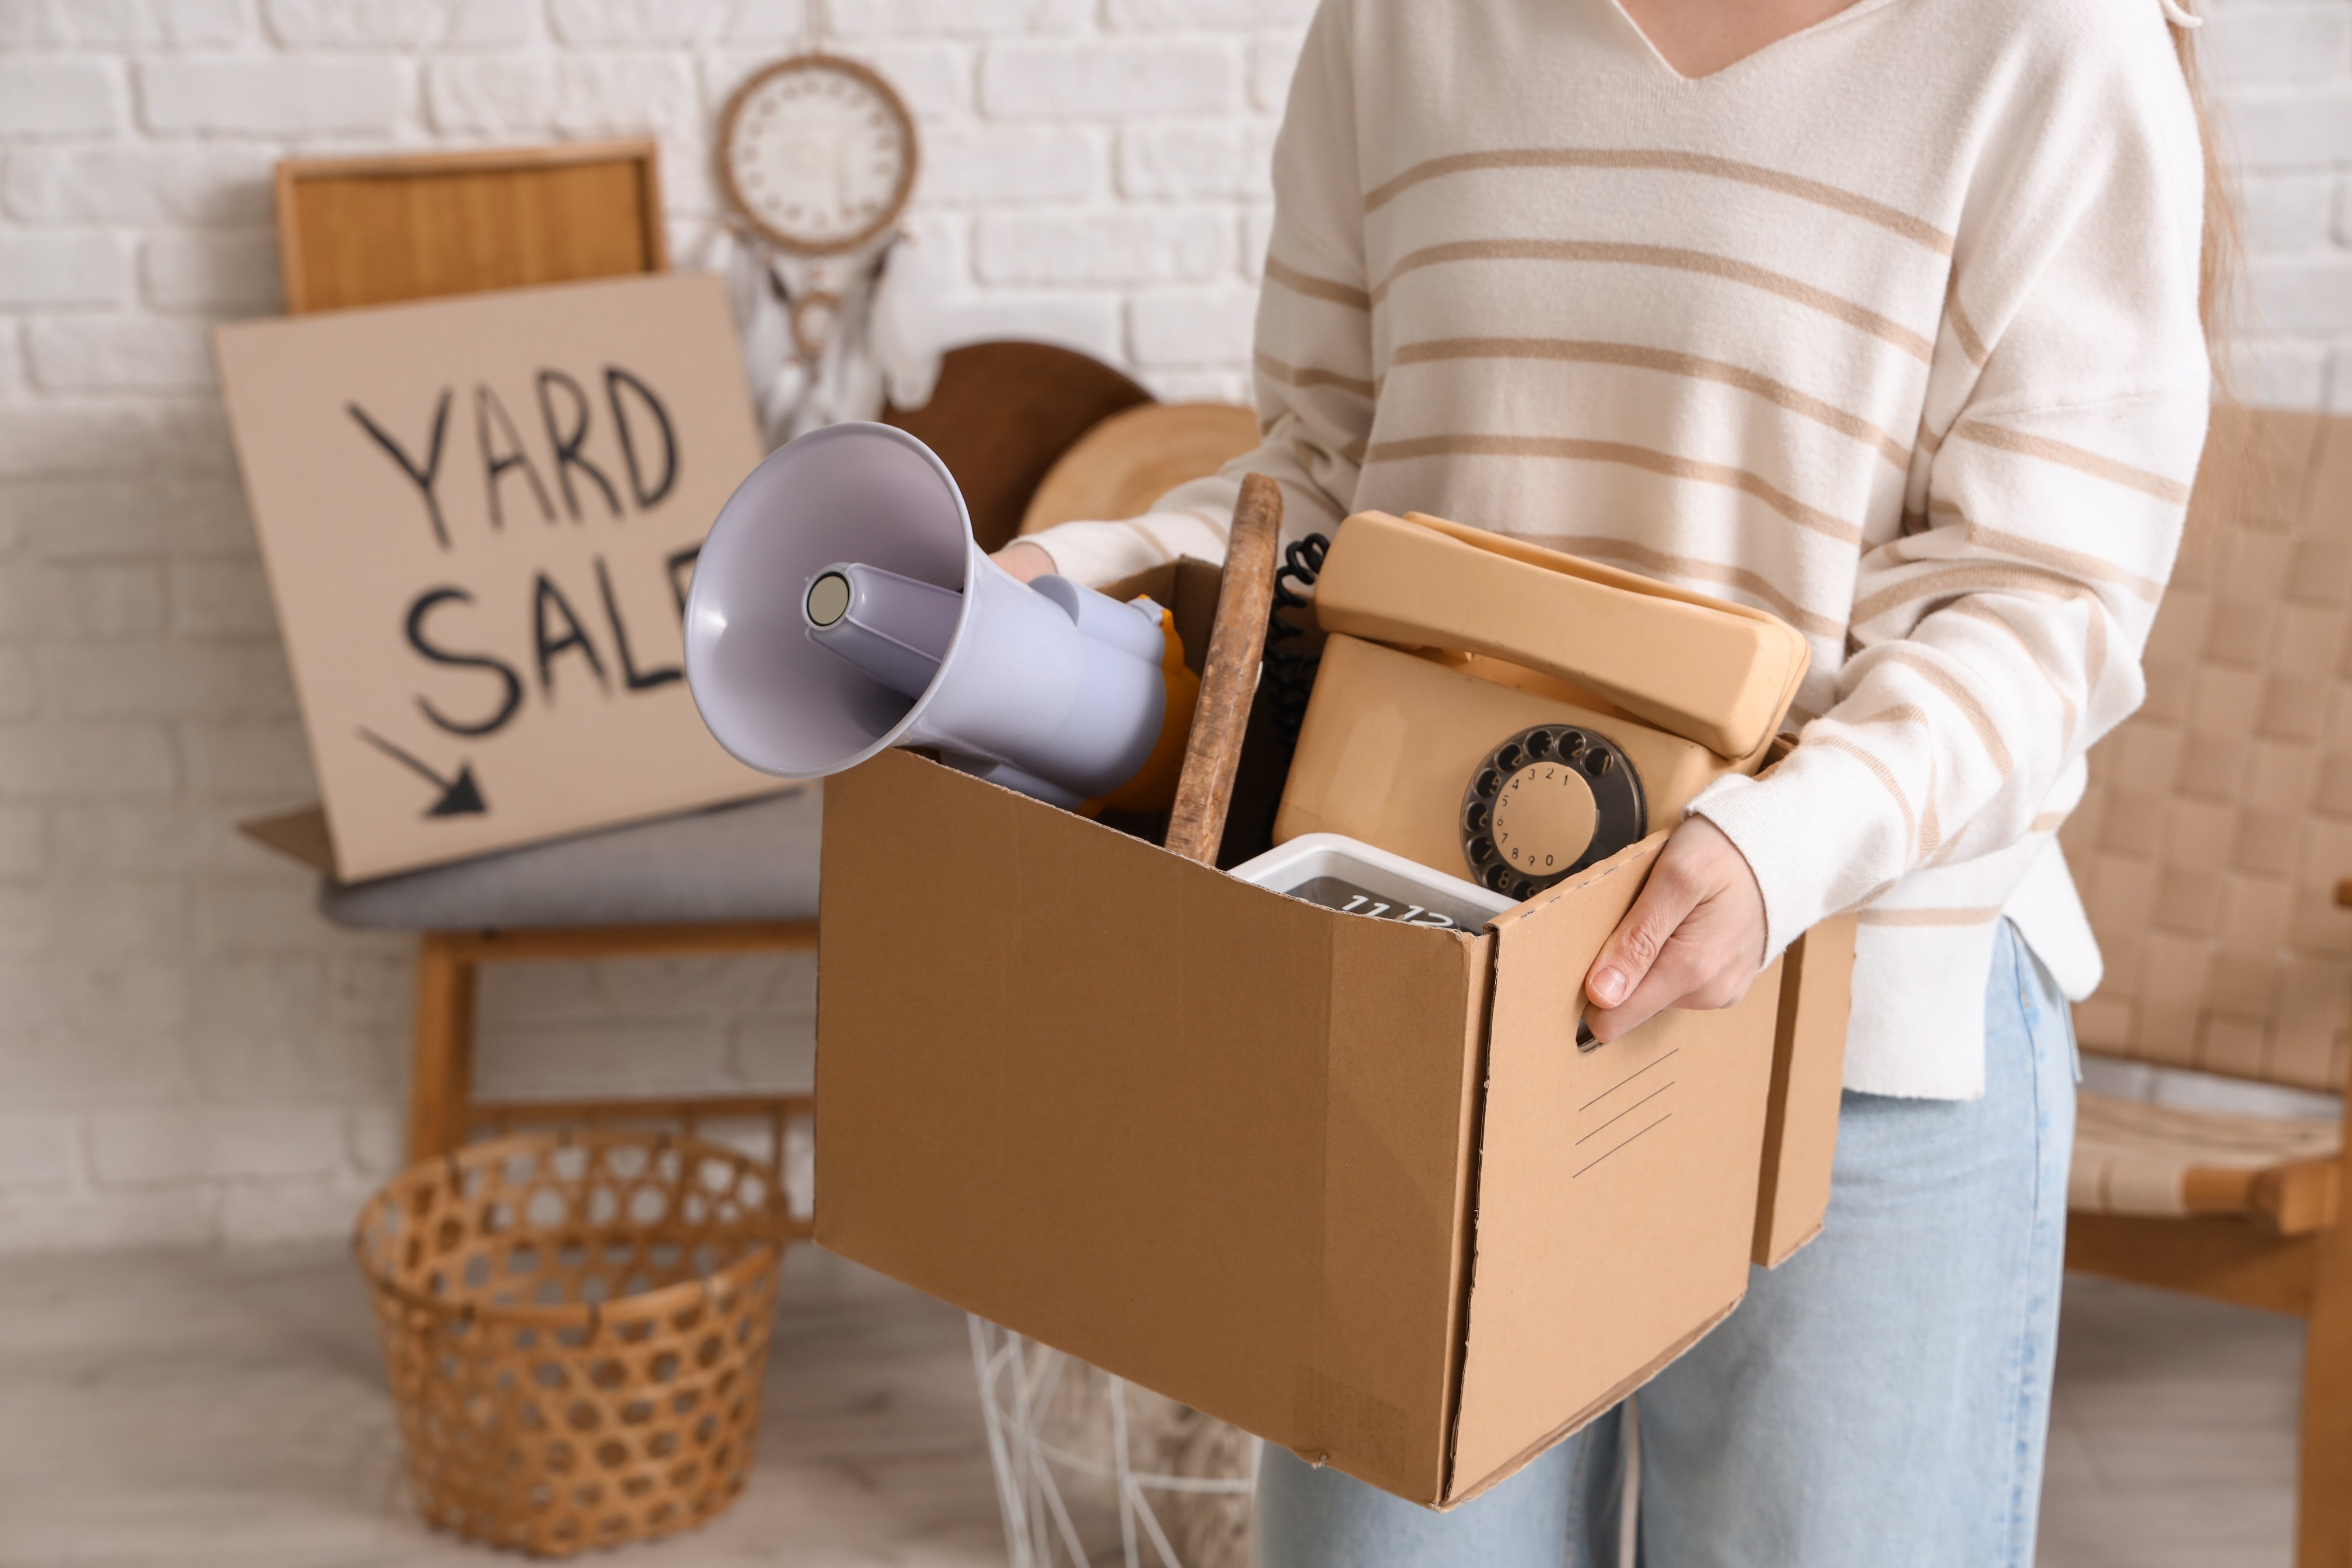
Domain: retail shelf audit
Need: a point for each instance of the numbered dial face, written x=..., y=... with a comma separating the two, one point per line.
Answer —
x=1547, y=802
x=818, y=152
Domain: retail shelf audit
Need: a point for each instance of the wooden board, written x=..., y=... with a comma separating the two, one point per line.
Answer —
x=377, y=230
x=1196, y=825
x=2219, y=1258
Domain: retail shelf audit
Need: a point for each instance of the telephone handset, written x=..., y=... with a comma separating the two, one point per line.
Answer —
x=1486, y=702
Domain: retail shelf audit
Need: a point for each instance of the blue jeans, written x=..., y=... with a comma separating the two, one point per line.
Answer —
x=1881, y=1400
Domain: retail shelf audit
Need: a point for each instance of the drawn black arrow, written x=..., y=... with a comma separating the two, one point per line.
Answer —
x=460, y=796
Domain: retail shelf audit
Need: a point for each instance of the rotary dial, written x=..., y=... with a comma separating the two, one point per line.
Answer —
x=1545, y=802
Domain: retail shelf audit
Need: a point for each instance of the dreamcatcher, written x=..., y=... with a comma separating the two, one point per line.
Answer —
x=816, y=157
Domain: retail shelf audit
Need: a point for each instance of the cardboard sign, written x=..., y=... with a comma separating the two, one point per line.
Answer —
x=479, y=518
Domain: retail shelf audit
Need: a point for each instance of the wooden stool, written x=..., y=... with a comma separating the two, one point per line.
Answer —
x=442, y=1112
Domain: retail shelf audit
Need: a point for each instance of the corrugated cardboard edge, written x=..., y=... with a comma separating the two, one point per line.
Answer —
x=1800, y=1126
x=1350, y=1419
x=1618, y=1393
x=1465, y=1252
x=1466, y=1218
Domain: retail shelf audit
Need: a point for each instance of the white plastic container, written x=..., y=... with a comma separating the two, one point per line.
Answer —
x=1355, y=877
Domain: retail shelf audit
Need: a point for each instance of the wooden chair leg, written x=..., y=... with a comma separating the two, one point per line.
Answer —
x=441, y=1076
x=2324, y=1484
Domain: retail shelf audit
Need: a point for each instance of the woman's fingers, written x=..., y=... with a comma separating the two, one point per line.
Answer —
x=1641, y=938
x=1693, y=938
x=1024, y=561
x=1690, y=972
x=1648, y=964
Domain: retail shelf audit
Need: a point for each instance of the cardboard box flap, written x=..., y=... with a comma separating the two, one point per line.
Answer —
x=1616, y=1186
x=1088, y=1115
x=1402, y=1083
x=1808, y=1083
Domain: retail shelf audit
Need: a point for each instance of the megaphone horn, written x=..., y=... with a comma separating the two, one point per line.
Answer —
x=841, y=604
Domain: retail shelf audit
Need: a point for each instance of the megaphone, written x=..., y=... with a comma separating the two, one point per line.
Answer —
x=840, y=604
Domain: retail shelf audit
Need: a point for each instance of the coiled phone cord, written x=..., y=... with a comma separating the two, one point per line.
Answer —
x=1290, y=671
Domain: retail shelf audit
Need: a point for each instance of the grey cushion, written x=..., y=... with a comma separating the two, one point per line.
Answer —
x=755, y=860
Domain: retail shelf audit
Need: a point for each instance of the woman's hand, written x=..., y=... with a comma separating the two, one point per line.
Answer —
x=1023, y=559
x=1694, y=937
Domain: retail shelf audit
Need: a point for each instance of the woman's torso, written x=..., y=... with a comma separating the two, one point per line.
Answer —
x=1688, y=327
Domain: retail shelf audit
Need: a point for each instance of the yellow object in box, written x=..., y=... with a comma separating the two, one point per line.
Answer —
x=1709, y=670
x=1532, y=713
x=1392, y=740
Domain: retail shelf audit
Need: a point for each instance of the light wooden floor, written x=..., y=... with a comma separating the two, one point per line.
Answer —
x=210, y=1410
x=203, y=1410
x=2173, y=1439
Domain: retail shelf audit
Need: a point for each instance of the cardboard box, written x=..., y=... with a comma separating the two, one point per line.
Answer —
x=1349, y=1184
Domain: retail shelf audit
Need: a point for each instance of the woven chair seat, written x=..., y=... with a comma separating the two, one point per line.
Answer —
x=2135, y=1158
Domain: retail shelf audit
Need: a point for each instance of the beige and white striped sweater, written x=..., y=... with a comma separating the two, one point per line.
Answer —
x=1890, y=328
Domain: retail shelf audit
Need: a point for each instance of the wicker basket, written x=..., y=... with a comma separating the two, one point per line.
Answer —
x=576, y=1326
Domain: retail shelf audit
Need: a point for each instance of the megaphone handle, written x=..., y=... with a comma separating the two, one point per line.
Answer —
x=1229, y=675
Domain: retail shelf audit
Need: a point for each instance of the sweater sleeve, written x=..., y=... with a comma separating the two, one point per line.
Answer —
x=2000, y=633
x=1313, y=365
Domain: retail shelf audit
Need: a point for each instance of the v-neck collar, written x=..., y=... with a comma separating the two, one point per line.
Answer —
x=1784, y=42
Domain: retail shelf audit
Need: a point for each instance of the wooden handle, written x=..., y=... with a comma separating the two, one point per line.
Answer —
x=1229, y=675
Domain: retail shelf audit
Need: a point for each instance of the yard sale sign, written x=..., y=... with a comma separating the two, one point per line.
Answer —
x=479, y=518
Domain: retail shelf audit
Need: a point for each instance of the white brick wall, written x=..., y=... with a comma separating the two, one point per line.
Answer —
x=2283, y=74
x=186, y=1050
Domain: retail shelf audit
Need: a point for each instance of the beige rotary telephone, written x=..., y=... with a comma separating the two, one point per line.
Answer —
x=1490, y=704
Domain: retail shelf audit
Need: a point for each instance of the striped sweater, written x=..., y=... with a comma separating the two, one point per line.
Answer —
x=1890, y=329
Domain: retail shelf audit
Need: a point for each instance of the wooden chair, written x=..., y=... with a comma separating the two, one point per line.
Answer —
x=743, y=878
x=380, y=229
x=2212, y=849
